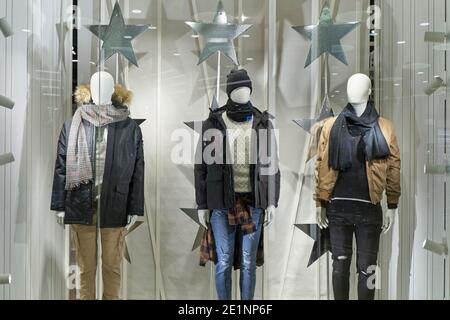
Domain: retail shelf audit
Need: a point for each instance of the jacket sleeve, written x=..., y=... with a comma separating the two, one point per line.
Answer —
x=393, y=183
x=200, y=173
x=59, y=178
x=136, y=191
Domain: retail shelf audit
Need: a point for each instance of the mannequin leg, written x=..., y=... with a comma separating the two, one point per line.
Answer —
x=341, y=238
x=85, y=245
x=224, y=237
x=250, y=244
x=368, y=240
x=112, y=255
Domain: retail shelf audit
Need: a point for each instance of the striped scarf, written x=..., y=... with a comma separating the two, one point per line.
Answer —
x=79, y=166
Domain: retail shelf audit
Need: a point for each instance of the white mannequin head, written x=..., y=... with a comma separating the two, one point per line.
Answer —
x=359, y=89
x=102, y=88
x=241, y=95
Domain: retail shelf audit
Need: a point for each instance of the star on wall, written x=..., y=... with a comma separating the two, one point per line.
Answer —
x=140, y=121
x=321, y=239
x=219, y=35
x=193, y=214
x=117, y=36
x=325, y=113
x=326, y=36
x=136, y=225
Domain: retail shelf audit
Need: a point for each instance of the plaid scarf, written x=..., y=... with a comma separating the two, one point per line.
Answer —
x=79, y=166
x=238, y=216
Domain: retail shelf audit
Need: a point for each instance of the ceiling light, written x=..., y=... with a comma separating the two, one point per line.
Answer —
x=26, y=30
x=195, y=36
x=420, y=73
x=176, y=54
x=250, y=59
x=137, y=11
x=424, y=24
x=401, y=42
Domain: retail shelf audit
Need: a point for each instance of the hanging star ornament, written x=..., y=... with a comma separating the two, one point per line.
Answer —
x=321, y=239
x=326, y=36
x=219, y=35
x=136, y=225
x=117, y=36
x=193, y=214
x=325, y=113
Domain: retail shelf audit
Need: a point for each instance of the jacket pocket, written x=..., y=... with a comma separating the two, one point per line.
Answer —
x=120, y=203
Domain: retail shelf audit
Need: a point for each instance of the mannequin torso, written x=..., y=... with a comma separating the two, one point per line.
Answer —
x=242, y=96
x=102, y=89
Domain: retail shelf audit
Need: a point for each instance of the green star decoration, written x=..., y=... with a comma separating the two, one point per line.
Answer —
x=326, y=36
x=219, y=35
x=117, y=36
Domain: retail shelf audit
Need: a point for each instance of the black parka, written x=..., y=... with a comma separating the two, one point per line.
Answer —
x=214, y=183
x=123, y=182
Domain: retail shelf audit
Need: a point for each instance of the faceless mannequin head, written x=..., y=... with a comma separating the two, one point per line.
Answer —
x=102, y=88
x=359, y=89
x=241, y=95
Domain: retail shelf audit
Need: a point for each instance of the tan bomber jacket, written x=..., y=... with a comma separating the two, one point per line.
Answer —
x=382, y=175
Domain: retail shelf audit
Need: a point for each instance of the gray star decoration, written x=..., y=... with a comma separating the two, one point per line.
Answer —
x=326, y=36
x=308, y=124
x=321, y=239
x=219, y=35
x=117, y=36
x=193, y=214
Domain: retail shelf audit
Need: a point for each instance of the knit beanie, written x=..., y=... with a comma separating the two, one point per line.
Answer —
x=238, y=79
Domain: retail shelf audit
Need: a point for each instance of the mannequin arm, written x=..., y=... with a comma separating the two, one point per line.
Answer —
x=270, y=215
x=321, y=216
x=131, y=221
x=204, y=217
x=389, y=220
x=60, y=217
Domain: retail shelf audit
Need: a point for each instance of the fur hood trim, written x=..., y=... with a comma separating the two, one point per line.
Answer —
x=121, y=96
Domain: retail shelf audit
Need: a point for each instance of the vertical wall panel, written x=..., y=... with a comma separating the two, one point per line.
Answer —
x=32, y=245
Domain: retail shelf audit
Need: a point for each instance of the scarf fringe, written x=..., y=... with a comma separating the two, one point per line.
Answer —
x=77, y=185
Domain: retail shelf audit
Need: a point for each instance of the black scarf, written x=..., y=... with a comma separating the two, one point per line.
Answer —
x=367, y=126
x=239, y=112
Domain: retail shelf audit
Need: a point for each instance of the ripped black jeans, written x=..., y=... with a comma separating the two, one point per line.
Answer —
x=366, y=226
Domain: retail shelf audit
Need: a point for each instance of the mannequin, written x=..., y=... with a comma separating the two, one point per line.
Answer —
x=358, y=159
x=240, y=95
x=99, y=205
x=236, y=195
x=359, y=89
x=102, y=89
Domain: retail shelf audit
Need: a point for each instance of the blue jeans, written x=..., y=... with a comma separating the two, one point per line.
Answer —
x=225, y=237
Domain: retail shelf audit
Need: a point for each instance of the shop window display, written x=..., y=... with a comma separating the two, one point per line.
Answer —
x=301, y=142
